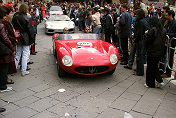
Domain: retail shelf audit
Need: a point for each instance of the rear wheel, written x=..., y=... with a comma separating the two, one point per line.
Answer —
x=112, y=71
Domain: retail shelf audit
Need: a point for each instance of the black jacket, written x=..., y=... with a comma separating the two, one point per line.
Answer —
x=155, y=42
x=109, y=24
x=125, y=25
x=23, y=23
x=139, y=29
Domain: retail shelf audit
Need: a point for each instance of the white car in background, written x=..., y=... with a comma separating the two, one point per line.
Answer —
x=55, y=10
x=56, y=24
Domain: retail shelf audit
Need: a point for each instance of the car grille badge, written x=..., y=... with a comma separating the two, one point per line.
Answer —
x=92, y=69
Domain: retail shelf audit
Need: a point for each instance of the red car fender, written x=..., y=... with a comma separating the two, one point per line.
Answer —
x=55, y=35
x=61, y=50
x=109, y=48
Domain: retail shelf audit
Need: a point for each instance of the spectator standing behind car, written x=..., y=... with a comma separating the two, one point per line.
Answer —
x=7, y=51
x=124, y=32
x=96, y=21
x=89, y=18
x=34, y=25
x=11, y=34
x=139, y=31
x=115, y=37
x=23, y=24
x=163, y=15
x=80, y=19
x=109, y=26
x=171, y=32
x=155, y=42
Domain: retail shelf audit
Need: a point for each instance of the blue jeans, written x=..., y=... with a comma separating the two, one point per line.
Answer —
x=97, y=29
x=132, y=55
x=24, y=52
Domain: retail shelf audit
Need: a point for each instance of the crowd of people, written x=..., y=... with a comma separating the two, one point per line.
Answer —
x=136, y=28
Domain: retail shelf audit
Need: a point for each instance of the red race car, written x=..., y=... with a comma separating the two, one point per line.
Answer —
x=84, y=54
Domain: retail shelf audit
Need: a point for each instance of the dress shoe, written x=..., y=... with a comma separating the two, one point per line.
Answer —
x=123, y=63
x=33, y=53
x=30, y=62
x=165, y=76
x=28, y=68
x=2, y=109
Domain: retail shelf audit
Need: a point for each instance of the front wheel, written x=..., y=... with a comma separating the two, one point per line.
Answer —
x=61, y=72
x=112, y=71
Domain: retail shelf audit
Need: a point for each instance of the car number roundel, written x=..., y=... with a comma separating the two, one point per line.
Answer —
x=84, y=43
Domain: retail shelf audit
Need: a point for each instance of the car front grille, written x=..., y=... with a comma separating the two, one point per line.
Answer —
x=50, y=30
x=91, y=69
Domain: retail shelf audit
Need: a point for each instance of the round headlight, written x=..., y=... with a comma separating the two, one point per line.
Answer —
x=67, y=60
x=113, y=58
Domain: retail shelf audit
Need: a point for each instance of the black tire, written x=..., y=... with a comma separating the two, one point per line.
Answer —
x=54, y=52
x=61, y=72
x=112, y=71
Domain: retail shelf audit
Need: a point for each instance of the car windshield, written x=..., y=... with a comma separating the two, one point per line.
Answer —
x=55, y=8
x=78, y=36
x=58, y=18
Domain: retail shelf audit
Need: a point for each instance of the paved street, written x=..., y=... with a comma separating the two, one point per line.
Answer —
x=104, y=96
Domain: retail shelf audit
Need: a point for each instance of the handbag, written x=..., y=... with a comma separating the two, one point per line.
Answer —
x=4, y=50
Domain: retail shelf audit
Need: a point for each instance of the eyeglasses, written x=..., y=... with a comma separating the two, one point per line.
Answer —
x=87, y=29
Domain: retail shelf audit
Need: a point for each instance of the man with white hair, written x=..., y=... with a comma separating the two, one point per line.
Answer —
x=96, y=21
x=142, y=5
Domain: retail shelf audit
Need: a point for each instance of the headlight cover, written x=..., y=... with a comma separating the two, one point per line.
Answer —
x=71, y=25
x=48, y=25
x=113, y=59
x=67, y=60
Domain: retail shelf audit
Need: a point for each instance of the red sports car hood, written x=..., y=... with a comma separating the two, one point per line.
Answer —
x=83, y=47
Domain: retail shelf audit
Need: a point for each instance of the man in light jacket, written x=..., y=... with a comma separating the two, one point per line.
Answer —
x=96, y=21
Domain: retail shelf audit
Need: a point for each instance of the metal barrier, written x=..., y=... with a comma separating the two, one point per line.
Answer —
x=169, y=48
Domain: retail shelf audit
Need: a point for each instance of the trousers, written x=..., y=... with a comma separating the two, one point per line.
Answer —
x=22, y=53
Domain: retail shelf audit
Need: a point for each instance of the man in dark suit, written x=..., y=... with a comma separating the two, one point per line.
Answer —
x=124, y=31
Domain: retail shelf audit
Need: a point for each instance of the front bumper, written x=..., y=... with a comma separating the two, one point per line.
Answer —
x=82, y=69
